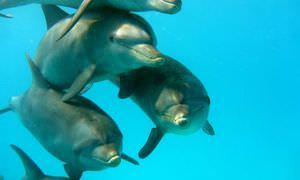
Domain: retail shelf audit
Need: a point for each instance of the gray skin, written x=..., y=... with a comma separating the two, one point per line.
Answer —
x=103, y=44
x=78, y=133
x=33, y=172
x=165, y=6
x=173, y=98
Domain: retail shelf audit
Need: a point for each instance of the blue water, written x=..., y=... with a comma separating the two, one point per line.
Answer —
x=247, y=55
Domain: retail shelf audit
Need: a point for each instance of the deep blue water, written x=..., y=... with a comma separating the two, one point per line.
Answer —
x=247, y=55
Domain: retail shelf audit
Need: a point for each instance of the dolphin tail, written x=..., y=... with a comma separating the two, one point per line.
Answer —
x=5, y=110
x=84, y=5
x=153, y=140
x=31, y=169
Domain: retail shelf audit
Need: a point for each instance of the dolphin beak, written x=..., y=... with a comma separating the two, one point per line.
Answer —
x=150, y=54
x=182, y=121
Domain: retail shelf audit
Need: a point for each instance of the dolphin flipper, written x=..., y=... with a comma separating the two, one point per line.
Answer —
x=72, y=173
x=208, y=129
x=129, y=159
x=53, y=14
x=6, y=15
x=31, y=169
x=5, y=110
x=80, y=82
x=84, y=5
x=153, y=140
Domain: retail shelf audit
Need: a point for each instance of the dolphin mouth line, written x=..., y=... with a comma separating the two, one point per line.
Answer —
x=154, y=59
x=108, y=162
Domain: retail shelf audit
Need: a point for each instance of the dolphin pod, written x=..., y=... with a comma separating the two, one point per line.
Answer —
x=78, y=133
x=103, y=40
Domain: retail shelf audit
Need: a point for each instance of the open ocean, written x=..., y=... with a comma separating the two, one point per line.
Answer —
x=246, y=53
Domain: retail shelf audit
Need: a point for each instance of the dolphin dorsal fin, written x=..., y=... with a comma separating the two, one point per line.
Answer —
x=37, y=78
x=31, y=169
x=53, y=14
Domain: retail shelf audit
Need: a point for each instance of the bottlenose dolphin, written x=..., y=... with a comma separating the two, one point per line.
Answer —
x=103, y=44
x=33, y=172
x=174, y=99
x=165, y=6
x=78, y=133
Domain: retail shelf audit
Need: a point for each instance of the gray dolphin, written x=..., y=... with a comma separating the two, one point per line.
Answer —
x=174, y=99
x=103, y=44
x=165, y=6
x=33, y=172
x=78, y=133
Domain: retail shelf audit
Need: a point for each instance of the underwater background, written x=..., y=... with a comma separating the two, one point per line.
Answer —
x=246, y=53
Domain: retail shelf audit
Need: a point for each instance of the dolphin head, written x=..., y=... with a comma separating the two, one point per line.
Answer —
x=181, y=113
x=133, y=42
x=166, y=6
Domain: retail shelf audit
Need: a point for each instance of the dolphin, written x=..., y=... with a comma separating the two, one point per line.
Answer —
x=33, y=172
x=164, y=6
x=78, y=133
x=174, y=99
x=103, y=44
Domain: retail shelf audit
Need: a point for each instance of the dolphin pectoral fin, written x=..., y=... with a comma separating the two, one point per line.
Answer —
x=72, y=172
x=5, y=110
x=84, y=5
x=6, y=15
x=153, y=140
x=80, y=82
x=53, y=14
x=208, y=129
x=127, y=86
x=129, y=159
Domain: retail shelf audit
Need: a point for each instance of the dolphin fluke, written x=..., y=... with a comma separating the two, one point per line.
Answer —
x=84, y=5
x=31, y=169
x=6, y=15
x=155, y=137
x=53, y=14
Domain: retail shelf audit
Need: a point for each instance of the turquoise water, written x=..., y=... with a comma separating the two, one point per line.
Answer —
x=247, y=55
